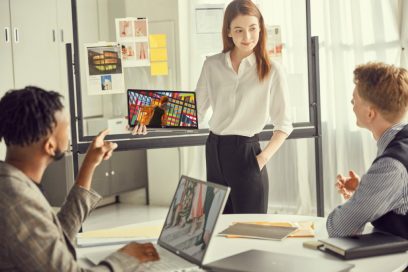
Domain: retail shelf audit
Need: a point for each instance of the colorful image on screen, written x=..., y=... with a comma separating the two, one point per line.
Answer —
x=162, y=109
x=192, y=217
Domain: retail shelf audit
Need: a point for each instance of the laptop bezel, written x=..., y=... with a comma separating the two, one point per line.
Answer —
x=177, y=251
x=166, y=128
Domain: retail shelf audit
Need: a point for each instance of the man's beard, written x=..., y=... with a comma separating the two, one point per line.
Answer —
x=58, y=155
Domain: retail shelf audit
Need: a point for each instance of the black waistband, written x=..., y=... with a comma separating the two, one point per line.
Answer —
x=232, y=139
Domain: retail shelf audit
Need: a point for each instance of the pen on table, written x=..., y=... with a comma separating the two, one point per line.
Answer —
x=233, y=236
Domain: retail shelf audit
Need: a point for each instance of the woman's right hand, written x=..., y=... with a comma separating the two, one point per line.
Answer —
x=142, y=252
x=137, y=130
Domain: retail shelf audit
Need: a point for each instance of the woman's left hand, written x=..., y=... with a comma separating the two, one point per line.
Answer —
x=261, y=161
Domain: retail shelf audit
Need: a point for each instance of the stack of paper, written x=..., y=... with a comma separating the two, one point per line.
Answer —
x=258, y=231
x=128, y=232
x=299, y=229
x=120, y=235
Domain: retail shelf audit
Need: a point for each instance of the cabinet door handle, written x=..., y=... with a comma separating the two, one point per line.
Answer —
x=62, y=35
x=7, y=34
x=16, y=35
x=53, y=35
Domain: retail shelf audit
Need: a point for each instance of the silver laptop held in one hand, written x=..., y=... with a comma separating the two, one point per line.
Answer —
x=162, y=110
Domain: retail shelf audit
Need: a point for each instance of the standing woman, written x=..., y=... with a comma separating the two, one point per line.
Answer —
x=245, y=90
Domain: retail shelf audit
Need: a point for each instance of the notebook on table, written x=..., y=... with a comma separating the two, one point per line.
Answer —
x=162, y=110
x=365, y=245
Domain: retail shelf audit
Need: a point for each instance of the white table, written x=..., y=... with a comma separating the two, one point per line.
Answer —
x=221, y=247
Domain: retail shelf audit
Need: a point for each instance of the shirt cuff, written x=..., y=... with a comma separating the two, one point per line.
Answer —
x=284, y=128
x=119, y=261
x=92, y=197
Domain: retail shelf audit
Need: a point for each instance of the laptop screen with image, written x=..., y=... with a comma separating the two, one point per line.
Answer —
x=162, y=109
x=192, y=217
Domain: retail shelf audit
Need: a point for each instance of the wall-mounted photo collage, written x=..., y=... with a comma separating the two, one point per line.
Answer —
x=132, y=35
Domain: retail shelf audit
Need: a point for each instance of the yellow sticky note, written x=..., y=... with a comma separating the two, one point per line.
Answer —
x=158, y=54
x=157, y=40
x=159, y=68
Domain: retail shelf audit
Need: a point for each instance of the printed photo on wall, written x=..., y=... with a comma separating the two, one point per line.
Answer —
x=131, y=29
x=106, y=82
x=104, y=69
x=132, y=34
x=141, y=28
x=128, y=51
x=125, y=29
x=274, y=42
x=142, y=50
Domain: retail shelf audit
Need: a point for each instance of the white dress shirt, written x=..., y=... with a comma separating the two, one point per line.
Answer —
x=242, y=105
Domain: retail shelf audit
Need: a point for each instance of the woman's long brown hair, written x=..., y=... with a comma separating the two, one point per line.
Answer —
x=247, y=7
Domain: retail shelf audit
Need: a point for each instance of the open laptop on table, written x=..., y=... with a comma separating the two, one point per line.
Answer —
x=162, y=110
x=189, y=225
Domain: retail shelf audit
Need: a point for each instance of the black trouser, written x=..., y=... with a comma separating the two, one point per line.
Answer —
x=231, y=161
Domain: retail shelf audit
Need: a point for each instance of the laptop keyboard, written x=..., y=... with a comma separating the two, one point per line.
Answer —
x=168, y=262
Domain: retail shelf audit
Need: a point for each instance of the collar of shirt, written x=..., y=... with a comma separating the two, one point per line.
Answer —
x=248, y=61
x=39, y=185
x=387, y=137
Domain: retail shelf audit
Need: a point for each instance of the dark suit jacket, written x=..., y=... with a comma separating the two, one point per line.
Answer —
x=34, y=238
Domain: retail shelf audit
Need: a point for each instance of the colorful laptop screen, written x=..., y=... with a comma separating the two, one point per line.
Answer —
x=162, y=109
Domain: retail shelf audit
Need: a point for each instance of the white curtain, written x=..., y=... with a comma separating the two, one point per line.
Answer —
x=404, y=32
x=350, y=33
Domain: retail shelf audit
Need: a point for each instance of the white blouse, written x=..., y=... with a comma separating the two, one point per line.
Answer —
x=242, y=105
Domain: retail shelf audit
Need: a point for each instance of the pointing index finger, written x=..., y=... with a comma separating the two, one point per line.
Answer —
x=103, y=133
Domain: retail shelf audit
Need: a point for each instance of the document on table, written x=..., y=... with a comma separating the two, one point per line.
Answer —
x=303, y=228
x=245, y=230
x=145, y=232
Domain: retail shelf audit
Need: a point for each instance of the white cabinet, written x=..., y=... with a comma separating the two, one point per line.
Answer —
x=6, y=63
x=64, y=20
x=6, y=60
x=124, y=171
x=35, y=43
x=32, y=45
